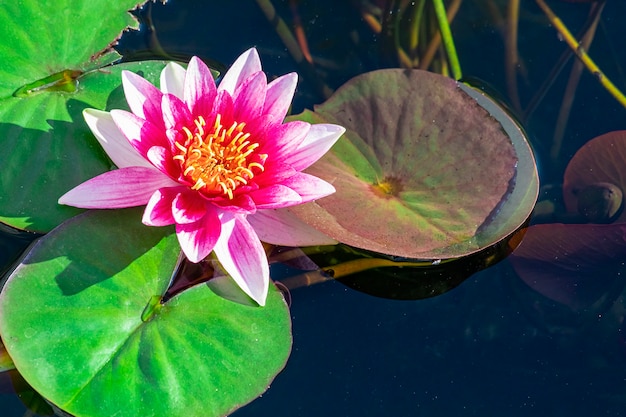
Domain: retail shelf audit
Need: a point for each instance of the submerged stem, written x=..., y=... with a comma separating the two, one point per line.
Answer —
x=346, y=268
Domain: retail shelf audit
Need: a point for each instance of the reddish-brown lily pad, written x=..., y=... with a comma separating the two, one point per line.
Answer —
x=573, y=264
x=424, y=170
x=602, y=160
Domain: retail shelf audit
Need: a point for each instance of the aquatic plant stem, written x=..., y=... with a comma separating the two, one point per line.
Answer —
x=343, y=269
x=292, y=46
x=581, y=54
x=434, y=43
x=299, y=30
x=512, y=57
x=448, y=41
x=572, y=84
x=558, y=67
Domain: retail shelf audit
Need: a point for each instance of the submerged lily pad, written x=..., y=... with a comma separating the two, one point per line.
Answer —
x=51, y=56
x=81, y=319
x=600, y=163
x=428, y=168
x=573, y=264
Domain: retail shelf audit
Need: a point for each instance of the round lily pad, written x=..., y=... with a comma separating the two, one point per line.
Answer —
x=563, y=261
x=82, y=320
x=428, y=168
x=601, y=161
x=53, y=55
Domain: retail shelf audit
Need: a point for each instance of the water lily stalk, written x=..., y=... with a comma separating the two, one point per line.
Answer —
x=403, y=57
x=512, y=57
x=293, y=47
x=572, y=85
x=299, y=31
x=343, y=269
x=372, y=15
x=448, y=41
x=416, y=17
x=433, y=45
x=580, y=52
x=558, y=67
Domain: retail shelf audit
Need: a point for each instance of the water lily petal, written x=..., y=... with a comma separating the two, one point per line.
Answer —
x=172, y=79
x=223, y=105
x=115, y=144
x=120, y=188
x=274, y=173
x=281, y=227
x=284, y=139
x=247, y=64
x=241, y=204
x=318, y=141
x=275, y=196
x=175, y=112
x=249, y=98
x=309, y=187
x=242, y=256
x=162, y=159
x=141, y=134
x=279, y=95
x=188, y=207
x=158, y=211
x=199, y=89
x=143, y=98
x=198, y=239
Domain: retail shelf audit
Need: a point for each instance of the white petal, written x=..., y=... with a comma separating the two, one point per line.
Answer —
x=321, y=137
x=247, y=64
x=111, y=138
x=280, y=227
x=173, y=79
x=241, y=253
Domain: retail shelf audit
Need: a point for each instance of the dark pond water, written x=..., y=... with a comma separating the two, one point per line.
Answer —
x=491, y=346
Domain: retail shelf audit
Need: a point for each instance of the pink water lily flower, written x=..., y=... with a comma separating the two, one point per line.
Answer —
x=218, y=162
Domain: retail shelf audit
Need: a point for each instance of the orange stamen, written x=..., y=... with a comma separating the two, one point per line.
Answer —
x=219, y=160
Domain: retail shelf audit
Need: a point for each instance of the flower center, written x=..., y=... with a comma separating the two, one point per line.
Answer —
x=219, y=160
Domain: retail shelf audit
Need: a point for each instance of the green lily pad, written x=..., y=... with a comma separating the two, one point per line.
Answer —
x=45, y=164
x=51, y=54
x=71, y=319
x=428, y=168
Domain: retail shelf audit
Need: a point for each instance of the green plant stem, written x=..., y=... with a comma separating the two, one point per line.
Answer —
x=448, y=41
x=581, y=54
x=570, y=91
x=434, y=43
x=560, y=64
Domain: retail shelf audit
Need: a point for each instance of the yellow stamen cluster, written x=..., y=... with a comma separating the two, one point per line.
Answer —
x=220, y=160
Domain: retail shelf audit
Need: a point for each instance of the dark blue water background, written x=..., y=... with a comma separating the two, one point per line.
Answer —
x=490, y=347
